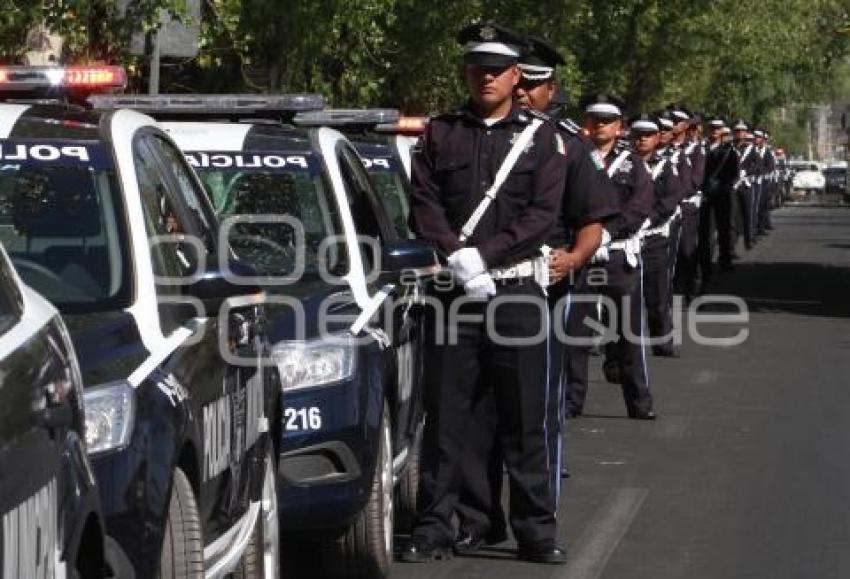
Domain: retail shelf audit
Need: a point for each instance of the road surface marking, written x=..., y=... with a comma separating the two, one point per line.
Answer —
x=705, y=377
x=602, y=536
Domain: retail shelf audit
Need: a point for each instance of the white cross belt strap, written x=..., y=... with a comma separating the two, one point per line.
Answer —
x=501, y=175
x=612, y=169
x=656, y=172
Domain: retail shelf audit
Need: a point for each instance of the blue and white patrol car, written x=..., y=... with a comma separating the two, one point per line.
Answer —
x=345, y=331
x=101, y=214
x=49, y=503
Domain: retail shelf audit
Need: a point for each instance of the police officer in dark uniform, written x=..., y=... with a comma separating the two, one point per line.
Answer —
x=588, y=200
x=668, y=190
x=621, y=260
x=768, y=169
x=748, y=167
x=456, y=164
x=673, y=131
x=721, y=171
x=687, y=259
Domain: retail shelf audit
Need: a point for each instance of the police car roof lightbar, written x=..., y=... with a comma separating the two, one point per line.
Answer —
x=347, y=118
x=405, y=126
x=46, y=79
x=177, y=106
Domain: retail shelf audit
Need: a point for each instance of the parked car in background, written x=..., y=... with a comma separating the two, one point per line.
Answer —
x=808, y=178
x=835, y=176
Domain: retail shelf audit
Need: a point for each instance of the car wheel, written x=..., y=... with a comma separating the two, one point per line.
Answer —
x=407, y=487
x=365, y=548
x=182, y=548
x=261, y=559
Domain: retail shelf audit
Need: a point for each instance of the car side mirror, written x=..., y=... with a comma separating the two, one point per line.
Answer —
x=410, y=254
x=216, y=285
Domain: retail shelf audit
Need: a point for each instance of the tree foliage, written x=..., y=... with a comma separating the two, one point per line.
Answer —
x=732, y=57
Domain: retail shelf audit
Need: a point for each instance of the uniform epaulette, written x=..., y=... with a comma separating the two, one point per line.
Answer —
x=532, y=113
x=569, y=126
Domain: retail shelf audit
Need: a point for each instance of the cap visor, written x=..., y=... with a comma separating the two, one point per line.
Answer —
x=488, y=59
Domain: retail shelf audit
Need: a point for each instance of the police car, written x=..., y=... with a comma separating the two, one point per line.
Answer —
x=384, y=140
x=100, y=213
x=49, y=504
x=299, y=205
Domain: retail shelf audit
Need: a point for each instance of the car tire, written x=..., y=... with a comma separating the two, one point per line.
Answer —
x=365, y=548
x=182, y=547
x=407, y=487
x=261, y=559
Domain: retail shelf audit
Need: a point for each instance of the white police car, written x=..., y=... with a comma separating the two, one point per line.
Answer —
x=346, y=335
x=100, y=213
x=49, y=503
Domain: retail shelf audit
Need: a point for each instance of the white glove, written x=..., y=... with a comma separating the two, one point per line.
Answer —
x=466, y=264
x=480, y=287
x=601, y=255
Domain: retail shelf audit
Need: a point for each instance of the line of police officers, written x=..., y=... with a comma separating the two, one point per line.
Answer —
x=504, y=191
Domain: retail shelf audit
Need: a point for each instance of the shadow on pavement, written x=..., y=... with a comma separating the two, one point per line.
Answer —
x=796, y=288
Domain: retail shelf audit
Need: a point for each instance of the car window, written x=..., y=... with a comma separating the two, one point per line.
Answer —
x=198, y=221
x=170, y=257
x=390, y=186
x=10, y=298
x=367, y=212
x=60, y=224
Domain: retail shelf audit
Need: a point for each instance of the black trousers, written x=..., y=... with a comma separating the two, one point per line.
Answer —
x=745, y=209
x=766, y=202
x=657, y=289
x=480, y=367
x=624, y=287
x=715, y=216
x=479, y=507
x=687, y=256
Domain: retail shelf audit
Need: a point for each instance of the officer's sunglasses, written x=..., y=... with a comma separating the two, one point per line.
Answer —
x=530, y=84
x=488, y=69
x=597, y=120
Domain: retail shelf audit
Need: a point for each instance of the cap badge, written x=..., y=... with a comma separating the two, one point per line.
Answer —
x=487, y=33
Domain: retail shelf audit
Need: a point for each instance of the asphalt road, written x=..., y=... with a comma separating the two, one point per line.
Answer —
x=747, y=472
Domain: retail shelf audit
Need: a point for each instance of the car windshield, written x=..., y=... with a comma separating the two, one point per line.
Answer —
x=59, y=222
x=275, y=197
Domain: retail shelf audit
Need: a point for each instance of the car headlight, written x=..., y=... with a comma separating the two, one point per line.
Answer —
x=308, y=364
x=110, y=411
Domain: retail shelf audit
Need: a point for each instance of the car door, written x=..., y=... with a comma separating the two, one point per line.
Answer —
x=183, y=247
x=38, y=403
x=400, y=320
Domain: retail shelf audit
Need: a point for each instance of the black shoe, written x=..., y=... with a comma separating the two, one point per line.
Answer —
x=423, y=550
x=665, y=351
x=468, y=543
x=494, y=537
x=574, y=412
x=642, y=415
x=548, y=556
x=727, y=267
x=565, y=473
